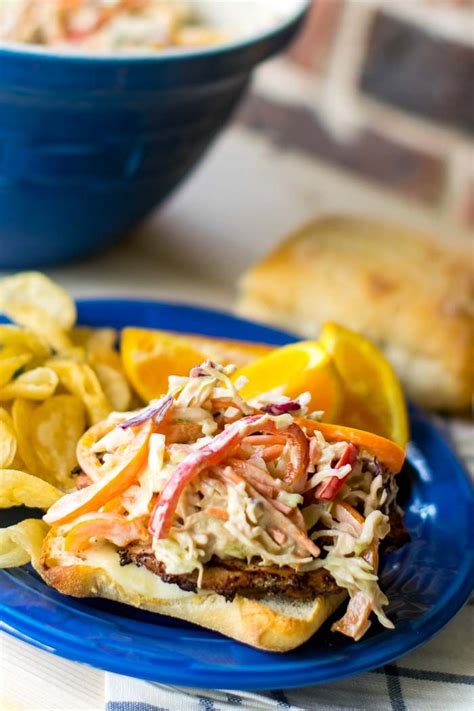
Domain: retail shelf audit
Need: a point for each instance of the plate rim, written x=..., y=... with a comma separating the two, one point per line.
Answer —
x=404, y=642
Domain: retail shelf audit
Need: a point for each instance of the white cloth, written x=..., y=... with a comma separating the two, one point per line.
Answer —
x=437, y=677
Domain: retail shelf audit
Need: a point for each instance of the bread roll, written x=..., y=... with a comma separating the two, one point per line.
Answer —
x=272, y=624
x=405, y=291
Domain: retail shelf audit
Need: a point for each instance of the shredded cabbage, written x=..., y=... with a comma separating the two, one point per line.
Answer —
x=356, y=574
x=349, y=569
x=327, y=473
x=275, y=397
x=244, y=535
x=374, y=499
x=292, y=500
x=376, y=527
x=117, y=437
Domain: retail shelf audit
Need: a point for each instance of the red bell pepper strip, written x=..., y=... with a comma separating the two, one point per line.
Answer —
x=388, y=452
x=210, y=455
x=327, y=490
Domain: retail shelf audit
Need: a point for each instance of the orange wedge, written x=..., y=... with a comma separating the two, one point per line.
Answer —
x=150, y=356
x=294, y=369
x=373, y=397
x=225, y=351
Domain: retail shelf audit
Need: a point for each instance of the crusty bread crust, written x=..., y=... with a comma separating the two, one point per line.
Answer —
x=407, y=292
x=272, y=628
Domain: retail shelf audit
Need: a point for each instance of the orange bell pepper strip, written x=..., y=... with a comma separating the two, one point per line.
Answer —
x=113, y=506
x=355, y=621
x=115, y=480
x=109, y=526
x=388, y=452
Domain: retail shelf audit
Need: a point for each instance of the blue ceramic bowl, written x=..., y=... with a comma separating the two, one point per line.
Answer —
x=89, y=145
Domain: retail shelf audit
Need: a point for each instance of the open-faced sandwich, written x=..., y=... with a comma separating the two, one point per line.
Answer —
x=253, y=519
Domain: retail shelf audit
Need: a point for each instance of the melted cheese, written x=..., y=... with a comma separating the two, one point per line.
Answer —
x=133, y=580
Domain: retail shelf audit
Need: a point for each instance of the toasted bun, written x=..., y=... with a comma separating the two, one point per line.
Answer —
x=407, y=292
x=275, y=625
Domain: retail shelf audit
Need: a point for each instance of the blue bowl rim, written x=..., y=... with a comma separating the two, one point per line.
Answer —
x=38, y=53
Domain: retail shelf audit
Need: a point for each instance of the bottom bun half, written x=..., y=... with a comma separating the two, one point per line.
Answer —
x=273, y=624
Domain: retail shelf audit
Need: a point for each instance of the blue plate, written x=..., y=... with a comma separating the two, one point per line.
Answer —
x=427, y=581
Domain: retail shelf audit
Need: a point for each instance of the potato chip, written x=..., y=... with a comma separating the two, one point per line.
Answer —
x=22, y=415
x=37, y=384
x=80, y=380
x=44, y=326
x=16, y=340
x=100, y=351
x=5, y=416
x=93, y=339
x=35, y=291
x=75, y=353
x=18, y=488
x=56, y=427
x=8, y=443
x=17, y=462
x=12, y=366
x=22, y=543
x=54, y=335
x=114, y=385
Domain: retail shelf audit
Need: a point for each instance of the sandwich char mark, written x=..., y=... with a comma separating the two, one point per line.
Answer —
x=233, y=577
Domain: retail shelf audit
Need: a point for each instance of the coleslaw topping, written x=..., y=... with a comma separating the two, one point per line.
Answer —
x=216, y=477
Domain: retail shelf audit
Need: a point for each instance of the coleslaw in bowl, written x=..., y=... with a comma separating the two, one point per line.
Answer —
x=106, y=25
x=107, y=28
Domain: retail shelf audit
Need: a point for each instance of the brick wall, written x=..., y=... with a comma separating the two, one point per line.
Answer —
x=384, y=90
